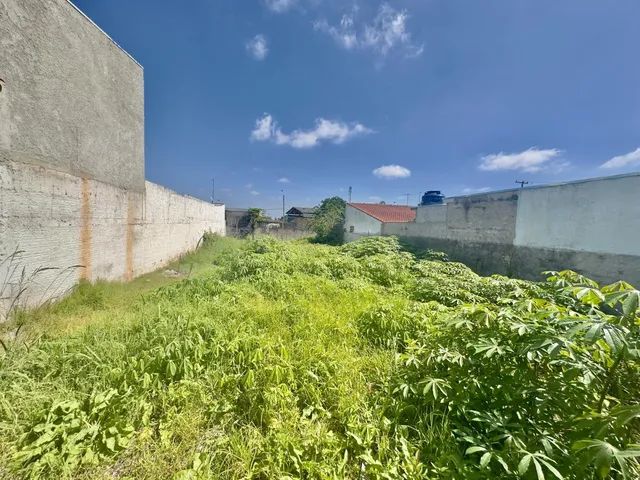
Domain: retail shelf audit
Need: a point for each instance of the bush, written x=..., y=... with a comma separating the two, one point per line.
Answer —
x=291, y=360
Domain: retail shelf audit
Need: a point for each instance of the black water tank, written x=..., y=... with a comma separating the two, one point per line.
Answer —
x=432, y=197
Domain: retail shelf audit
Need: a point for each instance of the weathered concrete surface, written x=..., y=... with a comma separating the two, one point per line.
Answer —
x=72, y=100
x=605, y=268
x=483, y=218
x=529, y=263
x=92, y=230
x=591, y=226
x=489, y=218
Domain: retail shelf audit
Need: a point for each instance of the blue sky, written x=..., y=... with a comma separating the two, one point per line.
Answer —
x=389, y=97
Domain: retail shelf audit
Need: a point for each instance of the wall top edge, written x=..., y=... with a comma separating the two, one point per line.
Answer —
x=546, y=185
x=190, y=197
x=104, y=33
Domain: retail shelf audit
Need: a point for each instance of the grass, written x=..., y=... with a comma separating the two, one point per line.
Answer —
x=107, y=301
x=273, y=359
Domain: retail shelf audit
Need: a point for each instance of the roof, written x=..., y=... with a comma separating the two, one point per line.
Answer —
x=387, y=213
x=304, y=211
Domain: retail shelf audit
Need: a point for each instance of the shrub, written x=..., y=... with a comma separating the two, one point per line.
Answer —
x=292, y=360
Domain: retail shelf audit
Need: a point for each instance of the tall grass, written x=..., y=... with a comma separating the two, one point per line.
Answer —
x=292, y=360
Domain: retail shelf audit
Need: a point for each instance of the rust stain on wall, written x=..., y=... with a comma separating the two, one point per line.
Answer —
x=85, y=230
x=129, y=237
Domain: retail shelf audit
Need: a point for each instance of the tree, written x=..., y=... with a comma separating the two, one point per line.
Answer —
x=255, y=217
x=328, y=222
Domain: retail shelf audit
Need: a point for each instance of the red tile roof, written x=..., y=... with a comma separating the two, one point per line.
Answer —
x=387, y=213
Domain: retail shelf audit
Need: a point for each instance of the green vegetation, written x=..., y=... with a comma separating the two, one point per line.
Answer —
x=255, y=218
x=328, y=222
x=300, y=361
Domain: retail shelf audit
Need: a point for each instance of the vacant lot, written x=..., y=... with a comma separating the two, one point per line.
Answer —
x=292, y=360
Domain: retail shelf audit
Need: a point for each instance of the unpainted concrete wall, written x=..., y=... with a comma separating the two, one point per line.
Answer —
x=91, y=230
x=71, y=99
x=590, y=226
x=363, y=224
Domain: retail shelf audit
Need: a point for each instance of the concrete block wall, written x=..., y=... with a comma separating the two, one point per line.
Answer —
x=590, y=226
x=91, y=230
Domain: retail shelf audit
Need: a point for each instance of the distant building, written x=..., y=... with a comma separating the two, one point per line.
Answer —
x=237, y=221
x=362, y=219
x=300, y=217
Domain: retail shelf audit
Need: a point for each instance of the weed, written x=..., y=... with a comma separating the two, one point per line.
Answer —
x=294, y=360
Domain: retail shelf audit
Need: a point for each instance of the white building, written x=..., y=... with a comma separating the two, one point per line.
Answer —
x=363, y=219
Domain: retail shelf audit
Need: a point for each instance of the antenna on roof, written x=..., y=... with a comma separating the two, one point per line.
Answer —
x=407, y=195
x=522, y=183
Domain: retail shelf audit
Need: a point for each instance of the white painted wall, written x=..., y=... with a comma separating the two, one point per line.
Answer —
x=362, y=224
x=62, y=221
x=602, y=215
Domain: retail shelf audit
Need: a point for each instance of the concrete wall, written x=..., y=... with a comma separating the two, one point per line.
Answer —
x=590, y=226
x=596, y=216
x=91, y=230
x=71, y=99
x=73, y=198
x=363, y=224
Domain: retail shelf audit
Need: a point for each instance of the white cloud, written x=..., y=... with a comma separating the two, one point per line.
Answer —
x=249, y=186
x=284, y=180
x=391, y=172
x=257, y=47
x=531, y=160
x=388, y=31
x=630, y=159
x=254, y=193
x=279, y=6
x=267, y=129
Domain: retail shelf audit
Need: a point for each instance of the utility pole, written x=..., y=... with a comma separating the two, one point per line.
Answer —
x=350, y=190
x=282, y=206
x=213, y=190
x=407, y=195
x=522, y=183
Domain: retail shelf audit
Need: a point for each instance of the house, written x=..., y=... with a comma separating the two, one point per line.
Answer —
x=300, y=217
x=362, y=219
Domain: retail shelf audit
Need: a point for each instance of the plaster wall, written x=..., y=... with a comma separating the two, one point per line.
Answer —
x=363, y=224
x=601, y=216
x=71, y=99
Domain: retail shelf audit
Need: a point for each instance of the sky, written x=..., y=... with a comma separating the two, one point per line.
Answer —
x=392, y=98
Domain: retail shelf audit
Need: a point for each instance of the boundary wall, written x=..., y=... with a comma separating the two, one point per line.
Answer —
x=591, y=226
